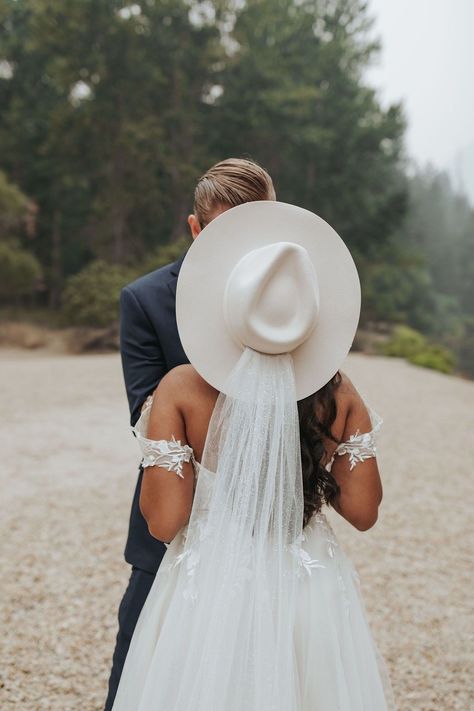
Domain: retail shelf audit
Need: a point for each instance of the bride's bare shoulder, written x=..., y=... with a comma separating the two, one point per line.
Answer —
x=352, y=403
x=346, y=387
x=184, y=381
x=346, y=393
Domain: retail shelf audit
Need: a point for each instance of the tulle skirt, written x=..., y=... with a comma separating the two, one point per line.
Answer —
x=338, y=665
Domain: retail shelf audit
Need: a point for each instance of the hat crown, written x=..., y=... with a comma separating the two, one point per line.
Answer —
x=271, y=299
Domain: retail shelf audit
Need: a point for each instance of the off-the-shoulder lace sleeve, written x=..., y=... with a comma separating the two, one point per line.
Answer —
x=359, y=446
x=169, y=454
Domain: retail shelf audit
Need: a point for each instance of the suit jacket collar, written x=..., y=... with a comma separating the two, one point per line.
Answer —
x=176, y=266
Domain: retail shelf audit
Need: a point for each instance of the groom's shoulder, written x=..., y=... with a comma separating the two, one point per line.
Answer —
x=153, y=280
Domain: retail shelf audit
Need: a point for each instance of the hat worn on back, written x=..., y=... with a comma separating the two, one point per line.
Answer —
x=276, y=278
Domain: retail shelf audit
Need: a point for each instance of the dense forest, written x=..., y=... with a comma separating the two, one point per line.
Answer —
x=110, y=112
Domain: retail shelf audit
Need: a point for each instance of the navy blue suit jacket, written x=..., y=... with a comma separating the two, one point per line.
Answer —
x=150, y=346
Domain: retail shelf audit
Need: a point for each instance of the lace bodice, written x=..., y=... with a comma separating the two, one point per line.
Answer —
x=171, y=454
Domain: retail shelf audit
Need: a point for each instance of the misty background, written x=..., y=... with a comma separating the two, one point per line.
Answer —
x=360, y=111
x=426, y=61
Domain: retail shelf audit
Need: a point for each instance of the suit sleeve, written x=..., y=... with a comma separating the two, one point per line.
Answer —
x=143, y=362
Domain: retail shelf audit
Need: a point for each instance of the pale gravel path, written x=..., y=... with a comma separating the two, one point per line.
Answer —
x=67, y=477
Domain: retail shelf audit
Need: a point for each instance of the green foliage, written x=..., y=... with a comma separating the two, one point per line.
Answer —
x=108, y=117
x=396, y=292
x=103, y=122
x=463, y=346
x=164, y=255
x=91, y=297
x=408, y=343
x=424, y=275
x=20, y=271
x=436, y=357
x=404, y=342
x=13, y=205
x=293, y=99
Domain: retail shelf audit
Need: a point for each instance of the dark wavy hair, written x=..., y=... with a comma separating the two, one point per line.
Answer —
x=317, y=413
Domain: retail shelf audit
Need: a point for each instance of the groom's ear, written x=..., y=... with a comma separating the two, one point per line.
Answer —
x=194, y=225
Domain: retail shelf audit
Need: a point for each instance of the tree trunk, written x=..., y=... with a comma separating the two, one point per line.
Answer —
x=56, y=266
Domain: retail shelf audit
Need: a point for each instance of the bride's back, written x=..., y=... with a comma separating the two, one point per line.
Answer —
x=196, y=400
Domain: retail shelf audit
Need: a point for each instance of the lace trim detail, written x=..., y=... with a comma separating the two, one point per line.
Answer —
x=305, y=562
x=332, y=545
x=191, y=556
x=169, y=454
x=359, y=446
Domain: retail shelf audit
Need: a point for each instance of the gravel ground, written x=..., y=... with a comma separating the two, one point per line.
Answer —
x=68, y=474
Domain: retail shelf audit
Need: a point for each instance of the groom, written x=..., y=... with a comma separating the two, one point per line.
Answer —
x=150, y=347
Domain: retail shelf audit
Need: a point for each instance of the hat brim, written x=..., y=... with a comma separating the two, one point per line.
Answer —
x=209, y=262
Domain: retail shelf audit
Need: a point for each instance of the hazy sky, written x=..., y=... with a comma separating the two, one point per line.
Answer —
x=427, y=59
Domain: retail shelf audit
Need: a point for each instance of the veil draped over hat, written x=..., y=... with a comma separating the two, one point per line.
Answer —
x=226, y=641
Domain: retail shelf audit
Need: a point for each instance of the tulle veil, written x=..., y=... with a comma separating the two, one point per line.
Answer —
x=226, y=637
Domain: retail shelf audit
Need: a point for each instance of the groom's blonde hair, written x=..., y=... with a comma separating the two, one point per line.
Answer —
x=228, y=183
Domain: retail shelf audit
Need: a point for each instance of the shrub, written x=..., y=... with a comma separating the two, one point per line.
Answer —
x=407, y=343
x=164, y=254
x=91, y=297
x=436, y=357
x=20, y=271
x=464, y=347
x=404, y=342
x=13, y=207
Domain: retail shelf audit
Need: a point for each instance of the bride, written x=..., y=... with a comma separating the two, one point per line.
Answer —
x=255, y=606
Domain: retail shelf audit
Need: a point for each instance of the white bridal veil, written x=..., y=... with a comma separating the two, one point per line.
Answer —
x=226, y=638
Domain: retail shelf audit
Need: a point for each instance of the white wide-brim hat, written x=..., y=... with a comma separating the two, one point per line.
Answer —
x=275, y=277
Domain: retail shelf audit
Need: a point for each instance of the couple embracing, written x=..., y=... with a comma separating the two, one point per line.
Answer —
x=240, y=596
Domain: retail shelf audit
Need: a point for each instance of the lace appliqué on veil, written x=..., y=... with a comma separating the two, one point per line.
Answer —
x=359, y=446
x=169, y=454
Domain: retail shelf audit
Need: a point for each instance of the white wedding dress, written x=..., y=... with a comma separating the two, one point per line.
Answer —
x=336, y=665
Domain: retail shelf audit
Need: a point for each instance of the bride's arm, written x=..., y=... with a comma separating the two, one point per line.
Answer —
x=360, y=484
x=166, y=497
